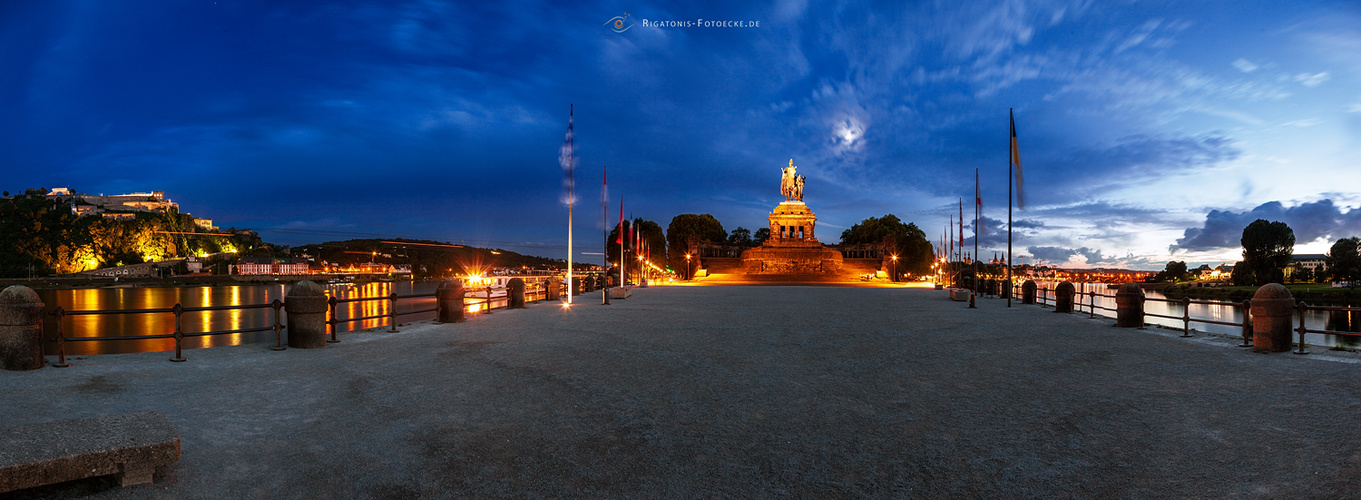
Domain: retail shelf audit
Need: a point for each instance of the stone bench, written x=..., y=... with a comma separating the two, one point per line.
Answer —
x=959, y=294
x=619, y=293
x=129, y=446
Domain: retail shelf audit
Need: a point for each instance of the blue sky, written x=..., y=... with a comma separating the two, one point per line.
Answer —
x=1149, y=131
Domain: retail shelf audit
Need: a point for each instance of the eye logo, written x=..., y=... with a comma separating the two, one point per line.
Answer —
x=616, y=23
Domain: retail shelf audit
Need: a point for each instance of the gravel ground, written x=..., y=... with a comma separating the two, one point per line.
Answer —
x=748, y=392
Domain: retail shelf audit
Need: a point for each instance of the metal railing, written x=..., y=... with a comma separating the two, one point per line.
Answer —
x=179, y=334
x=538, y=290
x=1301, y=309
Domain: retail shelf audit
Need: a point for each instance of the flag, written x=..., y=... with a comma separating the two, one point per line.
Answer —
x=619, y=240
x=567, y=162
x=604, y=186
x=1016, y=161
x=961, y=224
x=978, y=197
x=951, y=253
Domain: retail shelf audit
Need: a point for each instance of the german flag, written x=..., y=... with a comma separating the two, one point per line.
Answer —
x=1016, y=161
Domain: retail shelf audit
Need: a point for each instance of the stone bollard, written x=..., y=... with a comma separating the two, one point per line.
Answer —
x=450, y=297
x=1063, y=297
x=1028, y=292
x=550, y=291
x=1129, y=306
x=517, y=293
x=576, y=287
x=306, y=307
x=21, y=329
x=1272, y=309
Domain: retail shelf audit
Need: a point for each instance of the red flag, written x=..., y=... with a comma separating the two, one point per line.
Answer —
x=619, y=240
x=978, y=197
x=961, y=224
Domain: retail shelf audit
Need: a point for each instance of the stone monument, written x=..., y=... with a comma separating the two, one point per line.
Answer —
x=792, y=248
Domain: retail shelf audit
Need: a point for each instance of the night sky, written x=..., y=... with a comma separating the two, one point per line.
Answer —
x=1149, y=131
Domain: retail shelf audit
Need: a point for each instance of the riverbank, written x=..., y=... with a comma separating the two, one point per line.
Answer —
x=1313, y=293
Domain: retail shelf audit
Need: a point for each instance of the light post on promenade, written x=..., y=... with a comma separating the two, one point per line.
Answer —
x=687, y=267
x=894, y=277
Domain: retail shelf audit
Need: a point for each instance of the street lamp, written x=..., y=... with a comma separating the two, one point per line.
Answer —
x=688, y=275
x=894, y=277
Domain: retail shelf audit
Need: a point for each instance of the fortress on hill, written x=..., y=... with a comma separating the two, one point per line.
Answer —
x=793, y=252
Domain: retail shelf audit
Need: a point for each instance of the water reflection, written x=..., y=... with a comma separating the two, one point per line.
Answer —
x=161, y=323
x=1227, y=312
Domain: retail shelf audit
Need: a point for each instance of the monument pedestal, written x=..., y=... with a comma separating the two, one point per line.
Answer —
x=793, y=248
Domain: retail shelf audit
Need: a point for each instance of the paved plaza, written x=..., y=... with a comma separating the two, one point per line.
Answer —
x=745, y=392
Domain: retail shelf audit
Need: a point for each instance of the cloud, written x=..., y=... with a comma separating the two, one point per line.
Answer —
x=1313, y=80
x=1310, y=221
x=1139, y=35
x=1060, y=255
x=1245, y=65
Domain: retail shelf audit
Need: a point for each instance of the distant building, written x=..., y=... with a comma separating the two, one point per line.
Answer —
x=1316, y=263
x=266, y=265
x=144, y=202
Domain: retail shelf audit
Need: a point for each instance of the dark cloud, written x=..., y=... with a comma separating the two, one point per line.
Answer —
x=1310, y=221
x=1059, y=255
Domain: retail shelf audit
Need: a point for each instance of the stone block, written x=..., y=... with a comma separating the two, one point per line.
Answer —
x=1129, y=306
x=1272, y=309
x=1063, y=297
x=450, y=297
x=306, y=307
x=130, y=446
x=21, y=318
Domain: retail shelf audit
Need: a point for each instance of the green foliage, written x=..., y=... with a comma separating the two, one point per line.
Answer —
x=1344, y=260
x=702, y=227
x=1267, y=248
x=907, y=241
x=761, y=236
x=742, y=237
x=43, y=235
x=653, y=241
x=1174, y=272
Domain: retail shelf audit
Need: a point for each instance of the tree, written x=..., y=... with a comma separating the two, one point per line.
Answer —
x=908, y=241
x=761, y=236
x=703, y=227
x=1267, y=248
x=1344, y=260
x=741, y=237
x=1174, y=272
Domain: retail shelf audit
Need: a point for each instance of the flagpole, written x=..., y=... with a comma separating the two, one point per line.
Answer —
x=1011, y=286
x=605, y=228
x=978, y=198
x=571, y=193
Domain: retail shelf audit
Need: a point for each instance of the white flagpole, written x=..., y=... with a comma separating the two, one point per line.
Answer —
x=571, y=194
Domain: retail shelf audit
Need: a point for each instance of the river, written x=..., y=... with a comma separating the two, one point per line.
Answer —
x=117, y=325
x=1314, y=320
